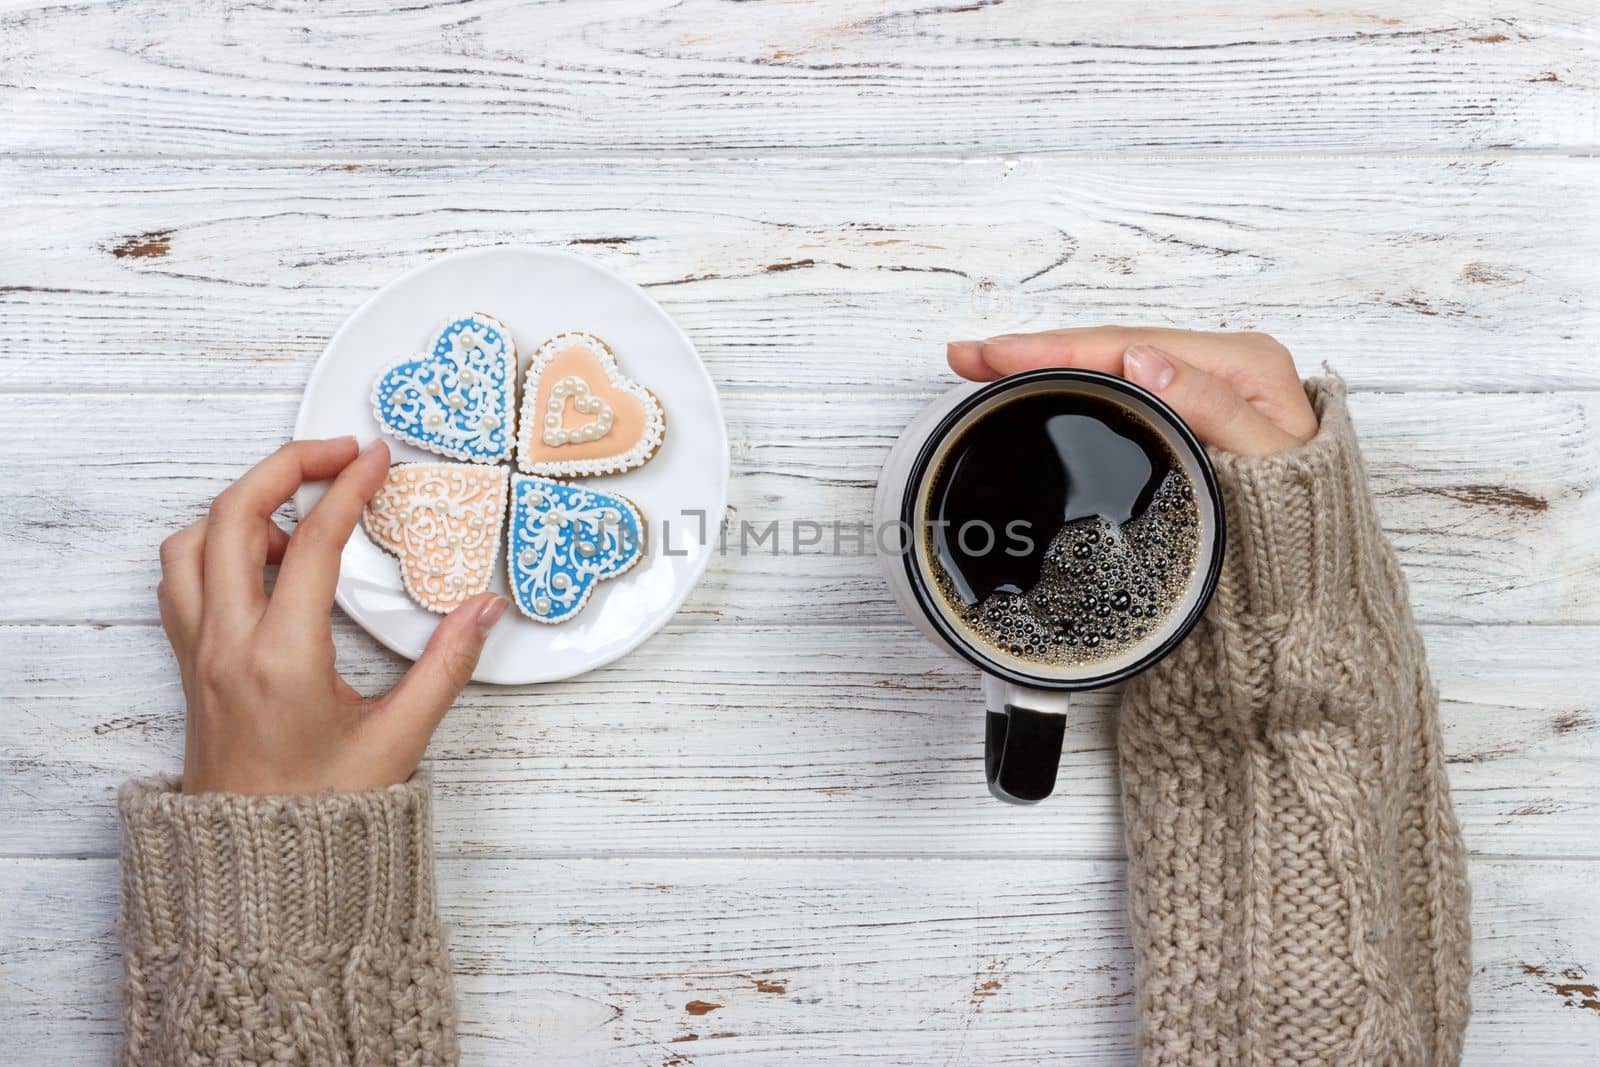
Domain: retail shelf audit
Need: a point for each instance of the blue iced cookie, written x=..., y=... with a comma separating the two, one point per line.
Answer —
x=563, y=539
x=456, y=400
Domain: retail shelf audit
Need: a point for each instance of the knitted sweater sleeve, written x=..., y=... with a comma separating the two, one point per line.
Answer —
x=1297, y=880
x=295, y=930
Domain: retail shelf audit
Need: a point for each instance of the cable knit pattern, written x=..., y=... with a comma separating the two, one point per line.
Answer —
x=1297, y=880
x=282, y=930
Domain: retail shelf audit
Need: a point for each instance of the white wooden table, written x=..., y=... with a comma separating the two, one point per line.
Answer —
x=764, y=837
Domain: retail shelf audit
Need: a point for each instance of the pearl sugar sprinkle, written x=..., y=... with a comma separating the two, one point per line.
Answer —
x=585, y=403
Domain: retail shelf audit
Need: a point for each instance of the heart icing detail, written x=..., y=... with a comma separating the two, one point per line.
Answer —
x=563, y=539
x=442, y=520
x=576, y=373
x=556, y=432
x=457, y=399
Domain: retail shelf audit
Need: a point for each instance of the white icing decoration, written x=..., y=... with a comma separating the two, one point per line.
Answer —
x=448, y=537
x=584, y=402
x=649, y=440
x=457, y=398
x=561, y=546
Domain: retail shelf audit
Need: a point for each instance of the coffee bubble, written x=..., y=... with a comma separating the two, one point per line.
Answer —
x=1102, y=589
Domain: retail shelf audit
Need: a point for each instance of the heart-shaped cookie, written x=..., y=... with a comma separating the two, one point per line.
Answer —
x=457, y=399
x=563, y=539
x=442, y=520
x=581, y=416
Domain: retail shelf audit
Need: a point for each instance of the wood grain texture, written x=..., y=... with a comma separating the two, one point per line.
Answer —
x=1406, y=274
x=763, y=836
x=838, y=77
x=672, y=961
x=1490, y=499
x=869, y=740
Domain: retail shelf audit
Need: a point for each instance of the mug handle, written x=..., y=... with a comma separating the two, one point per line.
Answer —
x=1022, y=744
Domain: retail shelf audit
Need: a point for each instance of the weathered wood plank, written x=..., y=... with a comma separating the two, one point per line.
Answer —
x=864, y=739
x=1001, y=937
x=1490, y=497
x=894, y=76
x=896, y=961
x=1407, y=274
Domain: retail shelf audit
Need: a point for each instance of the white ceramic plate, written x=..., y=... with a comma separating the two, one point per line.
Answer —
x=536, y=294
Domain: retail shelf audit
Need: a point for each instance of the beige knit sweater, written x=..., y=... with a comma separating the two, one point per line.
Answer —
x=1296, y=878
x=282, y=930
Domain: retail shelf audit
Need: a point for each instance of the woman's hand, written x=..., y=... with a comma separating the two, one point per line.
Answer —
x=267, y=711
x=1239, y=392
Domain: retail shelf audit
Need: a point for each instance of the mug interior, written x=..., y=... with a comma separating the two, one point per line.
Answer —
x=1163, y=423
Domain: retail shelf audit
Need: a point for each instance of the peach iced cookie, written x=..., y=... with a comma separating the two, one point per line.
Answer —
x=442, y=521
x=581, y=415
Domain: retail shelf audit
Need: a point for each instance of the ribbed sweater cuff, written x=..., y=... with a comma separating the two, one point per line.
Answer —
x=220, y=872
x=1300, y=523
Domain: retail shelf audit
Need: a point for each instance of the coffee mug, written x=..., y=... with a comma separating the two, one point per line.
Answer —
x=1027, y=702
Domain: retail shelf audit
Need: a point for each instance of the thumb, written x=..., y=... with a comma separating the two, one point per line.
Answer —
x=420, y=699
x=1215, y=411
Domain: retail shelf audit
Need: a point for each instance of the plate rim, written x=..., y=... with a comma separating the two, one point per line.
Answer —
x=721, y=428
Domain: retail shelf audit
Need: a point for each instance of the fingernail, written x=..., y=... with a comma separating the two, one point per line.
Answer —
x=372, y=446
x=490, y=614
x=1148, y=367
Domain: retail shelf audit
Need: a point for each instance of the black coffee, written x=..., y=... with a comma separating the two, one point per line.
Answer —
x=1062, y=529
